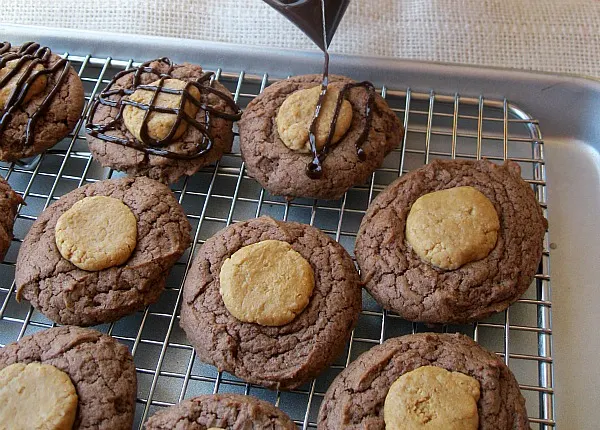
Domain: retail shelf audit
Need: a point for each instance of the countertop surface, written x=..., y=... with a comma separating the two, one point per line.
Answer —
x=546, y=35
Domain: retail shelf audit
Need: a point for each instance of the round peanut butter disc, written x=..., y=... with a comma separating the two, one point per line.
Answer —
x=160, y=124
x=298, y=110
x=36, y=396
x=431, y=397
x=46, y=98
x=452, y=227
x=268, y=283
x=96, y=233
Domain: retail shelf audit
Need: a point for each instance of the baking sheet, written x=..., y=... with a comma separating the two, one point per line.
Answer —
x=426, y=97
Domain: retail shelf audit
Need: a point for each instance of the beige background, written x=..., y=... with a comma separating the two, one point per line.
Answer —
x=549, y=35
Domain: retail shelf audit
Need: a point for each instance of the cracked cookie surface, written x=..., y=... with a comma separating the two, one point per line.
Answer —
x=277, y=357
x=221, y=411
x=282, y=171
x=100, y=368
x=355, y=399
x=137, y=163
x=55, y=122
x=9, y=201
x=69, y=295
x=401, y=281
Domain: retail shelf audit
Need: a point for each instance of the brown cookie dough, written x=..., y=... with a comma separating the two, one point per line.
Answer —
x=51, y=106
x=221, y=411
x=136, y=162
x=355, y=399
x=69, y=295
x=9, y=202
x=282, y=171
x=100, y=368
x=401, y=281
x=281, y=357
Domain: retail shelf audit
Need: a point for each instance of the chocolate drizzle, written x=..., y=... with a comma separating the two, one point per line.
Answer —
x=28, y=57
x=314, y=169
x=148, y=144
x=319, y=19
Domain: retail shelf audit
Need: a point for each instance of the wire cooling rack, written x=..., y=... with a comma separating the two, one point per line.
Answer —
x=438, y=126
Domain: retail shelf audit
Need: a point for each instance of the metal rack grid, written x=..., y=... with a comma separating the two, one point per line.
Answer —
x=438, y=126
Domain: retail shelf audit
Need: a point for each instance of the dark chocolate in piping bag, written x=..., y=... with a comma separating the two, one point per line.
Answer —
x=307, y=15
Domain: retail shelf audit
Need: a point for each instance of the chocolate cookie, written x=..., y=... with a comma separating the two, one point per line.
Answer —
x=347, y=162
x=162, y=120
x=419, y=291
x=9, y=201
x=282, y=356
x=222, y=411
x=41, y=99
x=356, y=397
x=68, y=294
x=100, y=368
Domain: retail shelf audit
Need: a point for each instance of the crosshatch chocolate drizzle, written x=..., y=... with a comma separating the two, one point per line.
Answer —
x=28, y=57
x=148, y=144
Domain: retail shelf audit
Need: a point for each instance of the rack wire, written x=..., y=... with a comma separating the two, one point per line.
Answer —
x=438, y=126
